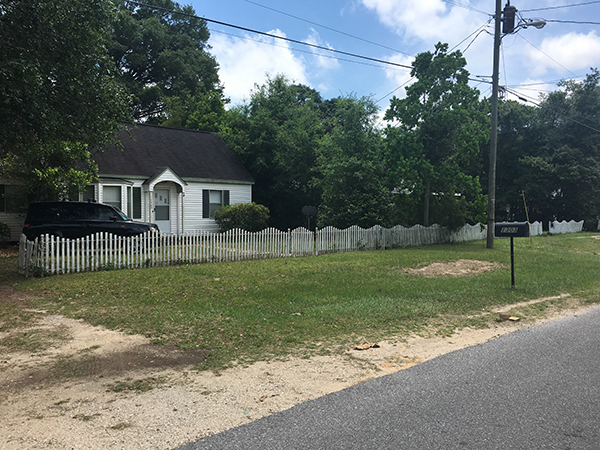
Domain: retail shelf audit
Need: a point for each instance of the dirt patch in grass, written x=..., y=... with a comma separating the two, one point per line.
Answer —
x=460, y=267
x=94, y=388
x=62, y=368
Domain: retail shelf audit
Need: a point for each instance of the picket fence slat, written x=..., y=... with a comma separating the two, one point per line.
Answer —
x=51, y=255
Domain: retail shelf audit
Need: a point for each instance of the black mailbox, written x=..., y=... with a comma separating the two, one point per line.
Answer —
x=512, y=229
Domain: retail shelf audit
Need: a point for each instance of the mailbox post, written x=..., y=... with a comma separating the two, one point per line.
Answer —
x=512, y=230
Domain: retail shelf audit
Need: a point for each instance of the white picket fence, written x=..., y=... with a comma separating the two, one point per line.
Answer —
x=50, y=255
x=535, y=229
x=331, y=240
x=563, y=227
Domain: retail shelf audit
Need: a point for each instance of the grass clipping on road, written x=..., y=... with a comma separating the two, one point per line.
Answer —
x=245, y=311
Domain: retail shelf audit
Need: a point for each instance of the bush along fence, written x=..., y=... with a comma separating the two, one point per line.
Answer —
x=50, y=255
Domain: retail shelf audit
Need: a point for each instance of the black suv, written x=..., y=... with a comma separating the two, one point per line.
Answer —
x=78, y=219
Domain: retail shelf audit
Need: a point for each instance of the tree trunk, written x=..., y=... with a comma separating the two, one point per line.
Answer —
x=426, y=195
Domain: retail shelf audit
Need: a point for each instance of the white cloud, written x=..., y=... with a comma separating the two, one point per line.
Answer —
x=246, y=62
x=418, y=26
x=424, y=23
x=573, y=51
x=424, y=20
x=399, y=78
x=324, y=59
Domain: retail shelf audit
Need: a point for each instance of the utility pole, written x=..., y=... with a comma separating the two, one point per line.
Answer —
x=508, y=22
x=491, y=210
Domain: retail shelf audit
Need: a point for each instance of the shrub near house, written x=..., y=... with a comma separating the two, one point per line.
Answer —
x=4, y=231
x=246, y=216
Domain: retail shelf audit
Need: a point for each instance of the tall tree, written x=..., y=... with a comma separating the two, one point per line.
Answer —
x=162, y=55
x=519, y=186
x=203, y=112
x=567, y=161
x=59, y=96
x=350, y=169
x=275, y=136
x=437, y=138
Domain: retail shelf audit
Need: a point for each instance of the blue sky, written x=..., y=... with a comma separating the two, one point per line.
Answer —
x=532, y=60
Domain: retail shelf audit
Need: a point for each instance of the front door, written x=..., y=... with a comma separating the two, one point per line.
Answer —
x=162, y=210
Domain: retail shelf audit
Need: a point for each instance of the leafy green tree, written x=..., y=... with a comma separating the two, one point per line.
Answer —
x=275, y=136
x=569, y=158
x=549, y=156
x=162, y=59
x=204, y=112
x=59, y=96
x=304, y=151
x=351, y=173
x=434, y=146
x=517, y=184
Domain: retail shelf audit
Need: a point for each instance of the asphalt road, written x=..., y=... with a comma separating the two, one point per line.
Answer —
x=537, y=388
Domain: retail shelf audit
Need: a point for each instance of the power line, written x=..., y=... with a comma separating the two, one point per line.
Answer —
x=390, y=93
x=478, y=31
x=473, y=40
x=357, y=37
x=545, y=54
x=522, y=97
x=327, y=49
x=541, y=83
x=351, y=35
x=320, y=55
x=573, y=21
x=327, y=27
x=560, y=7
x=274, y=36
x=462, y=5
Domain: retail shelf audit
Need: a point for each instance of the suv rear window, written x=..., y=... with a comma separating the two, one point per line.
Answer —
x=101, y=212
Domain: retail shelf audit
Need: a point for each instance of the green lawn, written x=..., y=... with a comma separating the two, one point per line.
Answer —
x=245, y=311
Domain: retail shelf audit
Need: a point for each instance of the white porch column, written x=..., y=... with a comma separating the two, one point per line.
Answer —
x=181, y=210
x=150, y=205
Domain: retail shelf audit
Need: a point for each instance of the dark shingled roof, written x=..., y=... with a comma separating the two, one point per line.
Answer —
x=149, y=149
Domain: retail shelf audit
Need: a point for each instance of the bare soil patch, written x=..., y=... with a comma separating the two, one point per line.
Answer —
x=93, y=363
x=85, y=387
x=460, y=267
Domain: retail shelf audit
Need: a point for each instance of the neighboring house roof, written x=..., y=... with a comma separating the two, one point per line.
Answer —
x=192, y=155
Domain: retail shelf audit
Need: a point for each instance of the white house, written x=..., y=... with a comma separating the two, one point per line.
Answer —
x=175, y=178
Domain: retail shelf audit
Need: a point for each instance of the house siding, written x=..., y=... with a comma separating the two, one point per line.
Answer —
x=193, y=203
